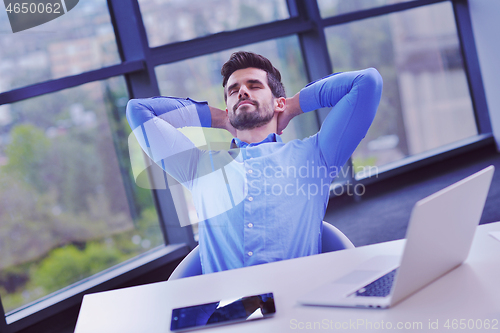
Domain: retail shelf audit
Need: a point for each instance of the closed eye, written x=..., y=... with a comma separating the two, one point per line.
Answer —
x=232, y=88
x=255, y=84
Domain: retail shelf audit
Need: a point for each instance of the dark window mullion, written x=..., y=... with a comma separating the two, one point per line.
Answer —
x=178, y=51
x=313, y=43
x=66, y=82
x=471, y=65
x=376, y=11
x=3, y=322
x=314, y=50
x=132, y=44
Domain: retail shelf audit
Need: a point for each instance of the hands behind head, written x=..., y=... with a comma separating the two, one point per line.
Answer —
x=292, y=109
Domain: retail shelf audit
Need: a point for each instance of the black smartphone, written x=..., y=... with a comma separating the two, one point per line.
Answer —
x=223, y=312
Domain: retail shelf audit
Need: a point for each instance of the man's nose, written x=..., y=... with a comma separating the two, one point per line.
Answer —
x=243, y=92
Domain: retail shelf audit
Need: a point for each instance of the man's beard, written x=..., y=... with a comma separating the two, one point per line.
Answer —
x=250, y=120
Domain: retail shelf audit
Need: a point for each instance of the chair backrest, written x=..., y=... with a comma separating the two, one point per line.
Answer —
x=189, y=266
x=332, y=240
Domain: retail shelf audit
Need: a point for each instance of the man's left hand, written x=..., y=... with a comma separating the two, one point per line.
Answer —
x=292, y=109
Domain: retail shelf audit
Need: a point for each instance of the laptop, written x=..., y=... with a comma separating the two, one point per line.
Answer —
x=438, y=239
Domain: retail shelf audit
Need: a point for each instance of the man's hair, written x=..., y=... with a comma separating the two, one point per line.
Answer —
x=242, y=60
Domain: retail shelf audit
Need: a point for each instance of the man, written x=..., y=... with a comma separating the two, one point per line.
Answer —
x=262, y=200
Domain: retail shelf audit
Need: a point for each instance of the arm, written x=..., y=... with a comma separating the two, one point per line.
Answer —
x=178, y=112
x=354, y=98
x=154, y=122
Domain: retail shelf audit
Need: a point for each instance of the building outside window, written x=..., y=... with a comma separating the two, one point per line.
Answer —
x=426, y=102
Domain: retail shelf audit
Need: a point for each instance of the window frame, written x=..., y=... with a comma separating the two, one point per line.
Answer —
x=138, y=62
x=471, y=65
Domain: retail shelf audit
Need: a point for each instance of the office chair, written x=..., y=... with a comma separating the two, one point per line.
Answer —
x=332, y=239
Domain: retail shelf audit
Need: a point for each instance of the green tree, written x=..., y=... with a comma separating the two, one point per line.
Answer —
x=66, y=265
x=26, y=153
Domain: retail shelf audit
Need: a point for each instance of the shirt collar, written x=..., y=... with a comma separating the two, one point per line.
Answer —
x=237, y=143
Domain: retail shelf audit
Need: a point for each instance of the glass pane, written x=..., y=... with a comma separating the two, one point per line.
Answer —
x=336, y=7
x=68, y=208
x=179, y=20
x=200, y=79
x=78, y=41
x=426, y=101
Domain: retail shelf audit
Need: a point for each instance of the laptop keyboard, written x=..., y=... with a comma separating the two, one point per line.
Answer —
x=381, y=287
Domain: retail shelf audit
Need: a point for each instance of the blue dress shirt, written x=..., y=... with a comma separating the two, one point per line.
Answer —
x=260, y=202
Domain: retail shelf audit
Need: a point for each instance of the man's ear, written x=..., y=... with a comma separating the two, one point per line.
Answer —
x=279, y=104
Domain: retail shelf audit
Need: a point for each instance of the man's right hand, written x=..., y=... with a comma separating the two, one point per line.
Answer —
x=221, y=120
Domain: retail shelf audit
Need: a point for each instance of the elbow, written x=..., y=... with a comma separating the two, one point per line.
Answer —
x=131, y=110
x=131, y=105
x=370, y=83
x=370, y=87
x=373, y=78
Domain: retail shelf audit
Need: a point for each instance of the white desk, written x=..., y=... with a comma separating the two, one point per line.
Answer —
x=470, y=292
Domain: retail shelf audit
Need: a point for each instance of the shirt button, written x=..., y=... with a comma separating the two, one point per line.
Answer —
x=250, y=225
x=250, y=253
x=250, y=198
x=250, y=171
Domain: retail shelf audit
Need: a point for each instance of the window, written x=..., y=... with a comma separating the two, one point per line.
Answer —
x=78, y=41
x=426, y=102
x=337, y=7
x=173, y=21
x=66, y=208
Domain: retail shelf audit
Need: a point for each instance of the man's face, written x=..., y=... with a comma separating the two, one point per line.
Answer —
x=250, y=102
